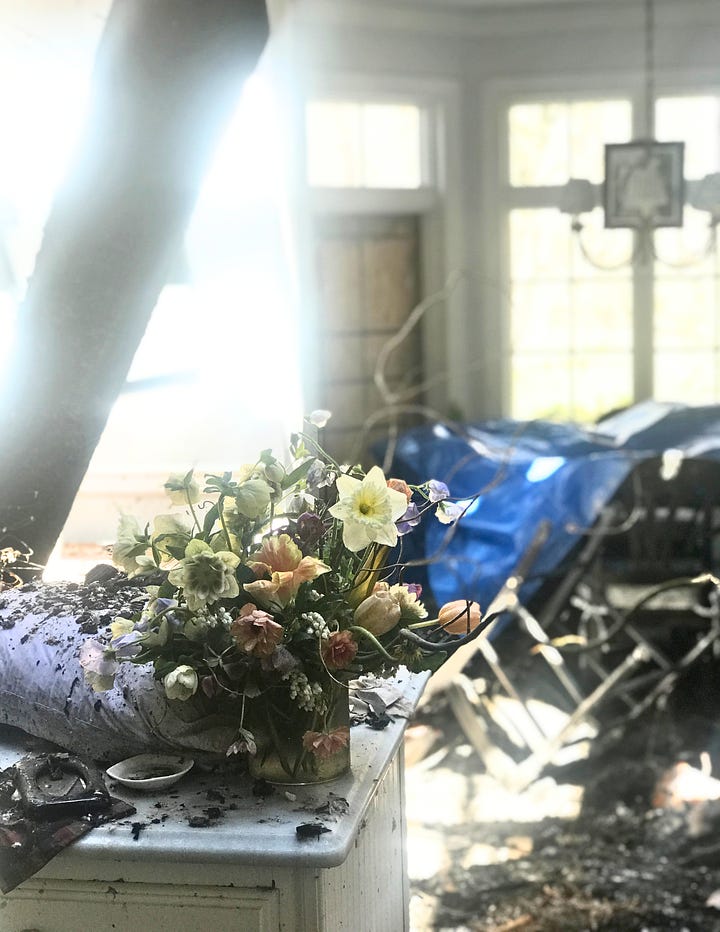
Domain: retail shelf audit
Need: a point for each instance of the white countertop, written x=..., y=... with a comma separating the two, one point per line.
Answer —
x=249, y=830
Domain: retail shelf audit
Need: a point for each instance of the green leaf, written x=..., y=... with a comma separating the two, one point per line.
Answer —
x=163, y=667
x=297, y=474
x=210, y=519
x=244, y=574
x=430, y=662
x=166, y=590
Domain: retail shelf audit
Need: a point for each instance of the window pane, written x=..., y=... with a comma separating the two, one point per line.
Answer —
x=552, y=142
x=539, y=144
x=685, y=313
x=688, y=251
x=540, y=386
x=592, y=124
x=540, y=244
x=688, y=377
x=608, y=251
x=359, y=145
x=391, y=136
x=696, y=120
x=541, y=317
x=600, y=383
x=602, y=315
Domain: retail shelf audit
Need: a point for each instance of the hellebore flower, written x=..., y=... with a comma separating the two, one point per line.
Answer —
x=183, y=489
x=255, y=631
x=252, y=498
x=460, y=616
x=323, y=744
x=379, y=612
x=368, y=510
x=282, y=560
x=437, y=491
x=338, y=652
x=99, y=665
x=205, y=576
x=130, y=549
x=170, y=532
x=181, y=683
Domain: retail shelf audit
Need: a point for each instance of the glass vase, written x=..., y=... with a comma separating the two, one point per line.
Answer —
x=296, y=746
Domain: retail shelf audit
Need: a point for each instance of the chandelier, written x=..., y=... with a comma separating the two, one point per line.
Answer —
x=644, y=186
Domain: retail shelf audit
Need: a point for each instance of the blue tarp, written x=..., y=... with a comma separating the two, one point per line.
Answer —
x=528, y=472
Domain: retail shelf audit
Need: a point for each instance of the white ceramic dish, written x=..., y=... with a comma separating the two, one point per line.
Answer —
x=150, y=772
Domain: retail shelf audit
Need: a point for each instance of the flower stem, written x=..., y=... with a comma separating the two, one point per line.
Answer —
x=221, y=515
x=363, y=632
x=192, y=511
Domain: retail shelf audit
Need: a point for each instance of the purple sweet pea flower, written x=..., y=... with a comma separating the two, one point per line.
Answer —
x=409, y=520
x=319, y=477
x=96, y=658
x=437, y=491
x=126, y=646
x=448, y=512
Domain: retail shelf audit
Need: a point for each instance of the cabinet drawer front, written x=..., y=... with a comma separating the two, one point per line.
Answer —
x=53, y=906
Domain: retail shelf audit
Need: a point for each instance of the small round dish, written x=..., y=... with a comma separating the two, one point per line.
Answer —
x=150, y=772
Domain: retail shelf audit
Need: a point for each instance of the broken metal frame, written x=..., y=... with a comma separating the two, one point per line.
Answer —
x=637, y=692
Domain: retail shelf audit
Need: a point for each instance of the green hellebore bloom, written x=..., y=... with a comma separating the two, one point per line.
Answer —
x=181, y=683
x=252, y=498
x=170, y=532
x=205, y=576
x=183, y=489
x=129, y=551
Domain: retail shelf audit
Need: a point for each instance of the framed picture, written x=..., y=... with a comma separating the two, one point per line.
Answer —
x=644, y=184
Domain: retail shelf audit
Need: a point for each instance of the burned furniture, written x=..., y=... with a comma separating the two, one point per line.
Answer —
x=621, y=600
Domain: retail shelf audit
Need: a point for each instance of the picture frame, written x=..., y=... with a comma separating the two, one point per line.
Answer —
x=644, y=184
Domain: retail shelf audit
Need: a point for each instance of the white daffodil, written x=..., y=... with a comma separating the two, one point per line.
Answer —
x=368, y=509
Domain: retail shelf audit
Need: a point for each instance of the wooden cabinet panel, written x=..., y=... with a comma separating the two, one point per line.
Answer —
x=72, y=906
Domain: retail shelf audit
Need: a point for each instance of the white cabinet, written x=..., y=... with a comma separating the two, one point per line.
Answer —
x=247, y=871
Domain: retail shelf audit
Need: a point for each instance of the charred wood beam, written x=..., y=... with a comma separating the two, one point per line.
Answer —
x=167, y=77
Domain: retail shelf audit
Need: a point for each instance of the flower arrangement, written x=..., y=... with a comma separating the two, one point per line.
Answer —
x=272, y=587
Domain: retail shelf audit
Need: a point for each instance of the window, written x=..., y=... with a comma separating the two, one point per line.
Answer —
x=575, y=347
x=364, y=145
x=570, y=324
x=686, y=325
